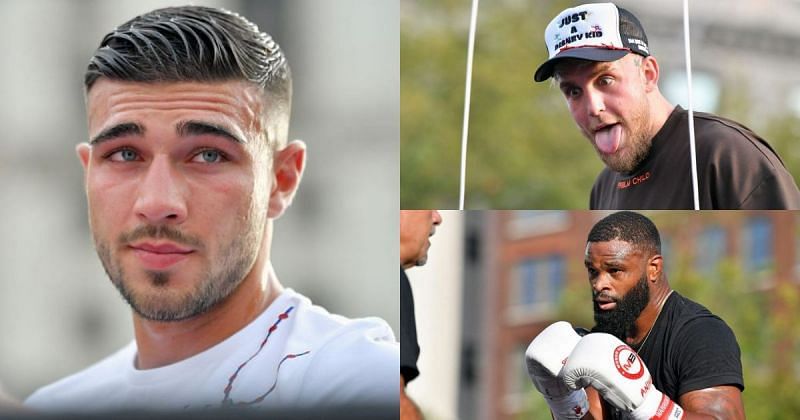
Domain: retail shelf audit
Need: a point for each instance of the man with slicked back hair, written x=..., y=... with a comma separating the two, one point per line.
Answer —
x=187, y=165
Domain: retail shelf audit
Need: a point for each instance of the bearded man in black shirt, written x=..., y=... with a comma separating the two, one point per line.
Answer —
x=653, y=354
x=601, y=62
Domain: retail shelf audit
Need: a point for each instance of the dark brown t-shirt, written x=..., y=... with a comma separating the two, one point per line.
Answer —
x=736, y=169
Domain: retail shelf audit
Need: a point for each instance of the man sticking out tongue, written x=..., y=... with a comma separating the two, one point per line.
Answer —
x=607, y=139
x=599, y=57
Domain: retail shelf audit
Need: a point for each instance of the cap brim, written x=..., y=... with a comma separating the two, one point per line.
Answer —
x=545, y=71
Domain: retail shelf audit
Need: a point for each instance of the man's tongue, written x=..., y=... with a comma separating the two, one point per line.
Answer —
x=607, y=139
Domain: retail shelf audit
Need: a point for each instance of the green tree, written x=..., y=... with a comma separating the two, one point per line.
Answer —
x=524, y=149
x=520, y=134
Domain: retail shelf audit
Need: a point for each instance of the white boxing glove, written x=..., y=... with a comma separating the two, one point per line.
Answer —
x=544, y=359
x=611, y=367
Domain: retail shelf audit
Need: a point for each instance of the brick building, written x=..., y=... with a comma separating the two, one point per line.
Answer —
x=520, y=268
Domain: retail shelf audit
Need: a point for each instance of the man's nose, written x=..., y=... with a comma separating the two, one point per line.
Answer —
x=595, y=102
x=437, y=218
x=161, y=194
x=600, y=282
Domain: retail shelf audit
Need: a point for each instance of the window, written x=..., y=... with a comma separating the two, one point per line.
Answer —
x=710, y=250
x=757, y=244
x=536, y=286
x=527, y=223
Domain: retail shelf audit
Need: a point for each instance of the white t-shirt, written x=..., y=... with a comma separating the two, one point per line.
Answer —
x=311, y=358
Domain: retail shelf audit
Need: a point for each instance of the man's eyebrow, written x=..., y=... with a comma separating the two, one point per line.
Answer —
x=197, y=128
x=598, y=68
x=565, y=84
x=601, y=68
x=117, y=131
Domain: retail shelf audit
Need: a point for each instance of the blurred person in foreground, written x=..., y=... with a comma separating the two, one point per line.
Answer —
x=653, y=354
x=600, y=60
x=186, y=168
x=416, y=226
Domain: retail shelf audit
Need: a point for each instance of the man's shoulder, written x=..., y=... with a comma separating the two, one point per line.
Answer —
x=96, y=380
x=704, y=350
x=333, y=337
x=689, y=319
x=686, y=309
x=351, y=359
x=715, y=124
x=319, y=327
x=723, y=135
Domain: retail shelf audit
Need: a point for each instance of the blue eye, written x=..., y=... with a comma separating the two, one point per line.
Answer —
x=209, y=156
x=123, y=155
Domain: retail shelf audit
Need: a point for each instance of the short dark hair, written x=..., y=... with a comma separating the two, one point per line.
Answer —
x=630, y=227
x=193, y=44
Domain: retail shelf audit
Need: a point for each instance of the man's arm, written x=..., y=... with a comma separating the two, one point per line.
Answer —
x=597, y=409
x=408, y=410
x=719, y=402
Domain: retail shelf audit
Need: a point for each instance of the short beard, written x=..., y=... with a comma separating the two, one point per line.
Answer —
x=167, y=305
x=621, y=321
x=639, y=142
x=638, y=149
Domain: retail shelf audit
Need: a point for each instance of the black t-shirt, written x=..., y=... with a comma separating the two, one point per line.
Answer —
x=688, y=349
x=409, y=348
x=736, y=169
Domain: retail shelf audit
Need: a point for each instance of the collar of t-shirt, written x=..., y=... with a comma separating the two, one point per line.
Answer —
x=222, y=357
x=660, y=140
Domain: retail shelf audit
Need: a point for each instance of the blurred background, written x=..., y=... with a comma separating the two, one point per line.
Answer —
x=524, y=149
x=58, y=311
x=495, y=279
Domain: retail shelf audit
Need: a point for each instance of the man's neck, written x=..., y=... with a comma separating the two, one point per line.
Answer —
x=649, y=315
x=660, y=110
x=163, y=343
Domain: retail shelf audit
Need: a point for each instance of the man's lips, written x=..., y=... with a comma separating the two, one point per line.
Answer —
x=605, y=304
x=602, y=126
x=160, y=255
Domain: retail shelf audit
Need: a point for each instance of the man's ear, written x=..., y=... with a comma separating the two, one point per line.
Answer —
x=650, y=72
x=84, y=153
x=287, y=167
x=654, y=267
x=83, y=150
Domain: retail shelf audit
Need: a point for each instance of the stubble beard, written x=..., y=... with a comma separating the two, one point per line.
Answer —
x=639, y=141
x=621, y=321
x=160, y=303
